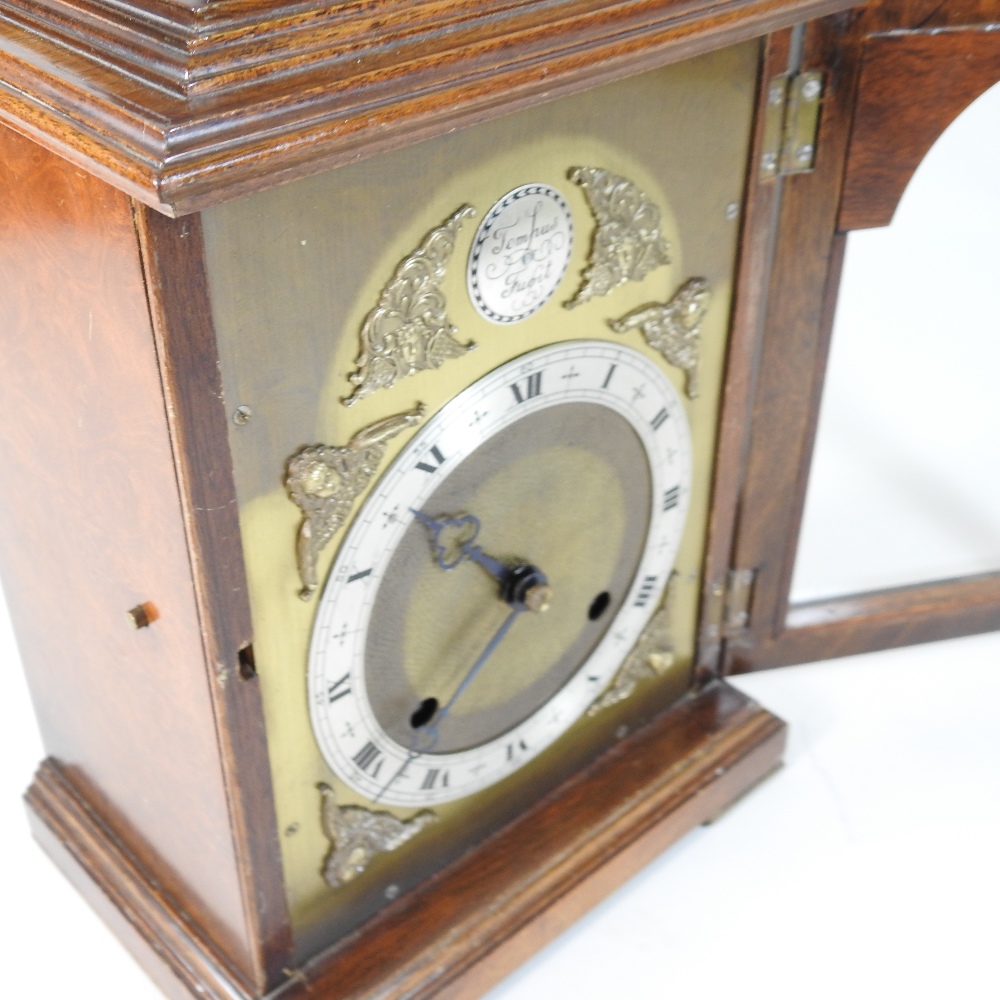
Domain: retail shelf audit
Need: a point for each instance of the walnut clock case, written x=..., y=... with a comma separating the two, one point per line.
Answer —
x=392, y=403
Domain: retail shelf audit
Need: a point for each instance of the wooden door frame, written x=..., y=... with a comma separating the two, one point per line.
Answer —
x=776, y=382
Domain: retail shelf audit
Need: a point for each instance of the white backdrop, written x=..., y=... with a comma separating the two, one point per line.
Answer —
x=866, y=868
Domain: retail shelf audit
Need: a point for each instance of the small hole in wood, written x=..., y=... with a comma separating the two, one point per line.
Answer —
x=248, y=669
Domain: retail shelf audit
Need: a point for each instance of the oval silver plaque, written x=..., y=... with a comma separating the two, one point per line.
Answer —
x=520, y=253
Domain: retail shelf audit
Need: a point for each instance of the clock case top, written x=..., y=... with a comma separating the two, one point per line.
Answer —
x=230, y=938
x=184, y=104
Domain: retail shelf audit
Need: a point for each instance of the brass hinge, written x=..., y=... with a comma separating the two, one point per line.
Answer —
x=729, y=605
x=791, y=124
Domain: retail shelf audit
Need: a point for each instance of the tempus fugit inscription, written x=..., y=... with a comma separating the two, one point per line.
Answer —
x=520, y=253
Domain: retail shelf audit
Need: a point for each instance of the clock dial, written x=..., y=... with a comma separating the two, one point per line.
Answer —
x=431, y=675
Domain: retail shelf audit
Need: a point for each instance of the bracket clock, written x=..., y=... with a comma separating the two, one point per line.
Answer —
x=408, y=409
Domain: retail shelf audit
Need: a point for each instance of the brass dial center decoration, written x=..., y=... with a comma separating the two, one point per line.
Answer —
x=483, y=599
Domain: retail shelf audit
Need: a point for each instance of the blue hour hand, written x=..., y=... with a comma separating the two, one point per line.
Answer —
x=521, y=585
x=451, y=553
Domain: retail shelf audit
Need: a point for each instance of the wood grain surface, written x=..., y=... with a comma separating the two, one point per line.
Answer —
x=464, y=929
x=91, y=526
x=153, y=926
x=882, y=40
x=173, y=253
x=183, y=108
x=913, y=86
x=793, y=357
x=753, y=268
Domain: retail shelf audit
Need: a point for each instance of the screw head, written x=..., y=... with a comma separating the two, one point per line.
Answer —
x=391, y=891
x=776, y=94
x=242, y=415
x=811, y=89
x=804, y=154
x=732, y=211
x=769, y=161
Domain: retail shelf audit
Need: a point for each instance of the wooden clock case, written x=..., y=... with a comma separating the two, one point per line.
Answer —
x=124, y=121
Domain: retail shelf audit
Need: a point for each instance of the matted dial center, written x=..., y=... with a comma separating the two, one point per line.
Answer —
x=524, y=486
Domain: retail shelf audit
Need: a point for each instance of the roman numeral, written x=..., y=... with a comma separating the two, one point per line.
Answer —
x=430, y=778
x=607, y=378
x=671, y=498
x=359, y=576
x=510, y=748
x=659, y=420
x=337, y=690
x=427, y=467
x=645, y=591
x=369, y=754
x=532, y=387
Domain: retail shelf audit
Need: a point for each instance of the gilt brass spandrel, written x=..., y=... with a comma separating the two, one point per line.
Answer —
x=325, y=480
x=674, y=328
x=627, y=243
x=293, y=274
x=358, y=835
x=408, y=330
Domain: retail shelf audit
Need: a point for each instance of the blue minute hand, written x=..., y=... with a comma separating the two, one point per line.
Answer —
x=478, y=665
x=426, y=737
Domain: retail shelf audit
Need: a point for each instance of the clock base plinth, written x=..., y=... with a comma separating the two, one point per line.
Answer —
x=477, y=920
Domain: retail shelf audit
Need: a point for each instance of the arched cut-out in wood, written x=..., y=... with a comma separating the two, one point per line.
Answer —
x=913, y=86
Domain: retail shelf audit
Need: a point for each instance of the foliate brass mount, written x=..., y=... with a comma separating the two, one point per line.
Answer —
x=673, y=329
x=409, y=330
x=627, y=242
x=357, y=835
x=652, y=656
x=325, y=480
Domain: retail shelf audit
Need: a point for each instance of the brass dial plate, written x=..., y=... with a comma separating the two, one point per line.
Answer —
x=294, y=273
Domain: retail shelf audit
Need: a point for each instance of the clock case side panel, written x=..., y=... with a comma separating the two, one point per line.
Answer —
x=173, y=257
x=800, y=305
x=91, y=527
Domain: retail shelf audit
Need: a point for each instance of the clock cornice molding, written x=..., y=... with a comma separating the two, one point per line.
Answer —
x=183, y=106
